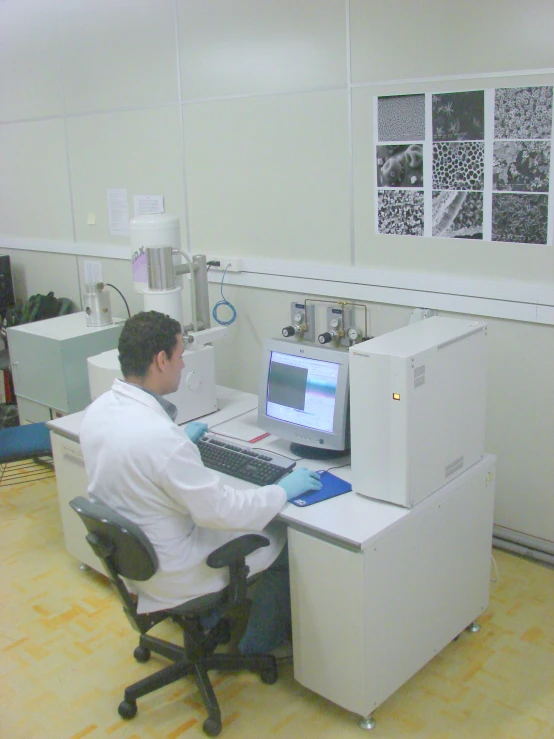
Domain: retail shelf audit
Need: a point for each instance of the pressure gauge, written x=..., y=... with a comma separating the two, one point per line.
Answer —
x=298, y=317
x=334, y=322
x=353, y=333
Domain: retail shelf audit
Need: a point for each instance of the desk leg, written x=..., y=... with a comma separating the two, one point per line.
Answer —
x=367, y=723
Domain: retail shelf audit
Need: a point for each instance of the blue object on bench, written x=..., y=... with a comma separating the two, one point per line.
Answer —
x=24, y=442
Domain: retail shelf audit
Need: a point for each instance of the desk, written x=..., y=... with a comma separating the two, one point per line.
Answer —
x=376, y=590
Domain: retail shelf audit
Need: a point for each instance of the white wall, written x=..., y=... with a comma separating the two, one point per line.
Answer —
x=254, y=120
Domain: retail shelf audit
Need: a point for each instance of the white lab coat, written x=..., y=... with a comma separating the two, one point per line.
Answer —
x=144, y=466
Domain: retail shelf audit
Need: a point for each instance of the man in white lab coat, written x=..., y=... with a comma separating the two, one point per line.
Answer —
x=144, y=466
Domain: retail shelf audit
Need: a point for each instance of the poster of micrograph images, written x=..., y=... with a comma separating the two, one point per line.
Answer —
x=466, y=165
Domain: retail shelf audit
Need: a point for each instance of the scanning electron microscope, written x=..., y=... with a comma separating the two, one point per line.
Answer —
x=157, y=275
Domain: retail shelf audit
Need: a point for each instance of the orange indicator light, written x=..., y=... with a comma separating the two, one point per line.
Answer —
x=396, y=396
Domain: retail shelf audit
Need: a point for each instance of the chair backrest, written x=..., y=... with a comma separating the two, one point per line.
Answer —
x=127, y=546
x=125, y=551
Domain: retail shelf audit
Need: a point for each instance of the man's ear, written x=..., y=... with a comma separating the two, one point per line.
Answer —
x=161, y=360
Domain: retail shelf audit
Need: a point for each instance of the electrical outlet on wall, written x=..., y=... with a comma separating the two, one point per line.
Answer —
x=232, y=264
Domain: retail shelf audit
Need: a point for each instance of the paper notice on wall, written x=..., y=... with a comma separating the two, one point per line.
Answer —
x=148, y=204
x=118, y=212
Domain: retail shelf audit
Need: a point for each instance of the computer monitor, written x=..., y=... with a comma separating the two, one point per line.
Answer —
x=7, y=295
x=303, y=397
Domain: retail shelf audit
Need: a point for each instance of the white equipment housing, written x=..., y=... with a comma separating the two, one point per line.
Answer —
x=196, y=395
x=417, y=408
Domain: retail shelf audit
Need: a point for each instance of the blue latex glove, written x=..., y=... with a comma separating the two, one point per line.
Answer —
x=196, y=430
x=299, y=481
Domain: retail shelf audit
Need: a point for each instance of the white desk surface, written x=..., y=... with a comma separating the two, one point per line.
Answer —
x=357, y=521
x=350, y=519
x=232, y=403
x=67, y=425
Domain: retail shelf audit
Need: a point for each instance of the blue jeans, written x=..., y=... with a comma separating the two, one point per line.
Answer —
x=269, y=624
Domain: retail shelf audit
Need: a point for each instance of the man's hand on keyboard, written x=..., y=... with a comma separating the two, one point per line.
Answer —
x=300, y=481
x=196, y=430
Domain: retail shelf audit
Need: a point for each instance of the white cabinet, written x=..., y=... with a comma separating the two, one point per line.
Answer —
x=49, y=361
x=384, y=590
x=31, y=412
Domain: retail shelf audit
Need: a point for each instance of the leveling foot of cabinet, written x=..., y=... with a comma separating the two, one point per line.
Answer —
x=473, y=627
x=367, y=723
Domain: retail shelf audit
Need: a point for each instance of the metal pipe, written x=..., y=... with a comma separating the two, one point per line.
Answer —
x=192, y=289
x=184, y=269
x=542, y=545
x=200, y=276
x=510, y=546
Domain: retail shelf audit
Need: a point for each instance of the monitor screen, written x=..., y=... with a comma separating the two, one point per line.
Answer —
x=304, y=396
x=302, y=390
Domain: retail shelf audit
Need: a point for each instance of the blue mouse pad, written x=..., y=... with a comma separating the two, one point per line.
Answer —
x=332, y=486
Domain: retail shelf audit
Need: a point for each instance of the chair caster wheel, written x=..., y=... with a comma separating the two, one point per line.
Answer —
x=211, y=727
x=141, y=654
x=127, y=709
x=269, y=675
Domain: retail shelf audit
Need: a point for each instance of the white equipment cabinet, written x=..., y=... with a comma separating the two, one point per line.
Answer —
x=378, y=590
x=417, y=408
x=49, y=363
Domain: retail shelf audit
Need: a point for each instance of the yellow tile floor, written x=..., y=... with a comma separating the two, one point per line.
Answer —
x=66, y=655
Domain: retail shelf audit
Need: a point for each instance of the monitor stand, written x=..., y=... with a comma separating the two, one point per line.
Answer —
x=314, y=452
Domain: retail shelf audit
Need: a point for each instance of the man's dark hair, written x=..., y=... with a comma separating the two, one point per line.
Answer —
x=143, y=336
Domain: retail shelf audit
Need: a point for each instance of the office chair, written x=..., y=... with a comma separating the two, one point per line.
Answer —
x=126, y=552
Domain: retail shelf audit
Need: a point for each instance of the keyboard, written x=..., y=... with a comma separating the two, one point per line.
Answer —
x=253, y=465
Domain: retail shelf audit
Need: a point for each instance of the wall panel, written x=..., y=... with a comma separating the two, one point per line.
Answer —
x=34, y=181
x=249, y=47
x=118, y=55
x=119, y=150
x=463, y=257
x=269, y=176
x=30, y=71
x=402, y=39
